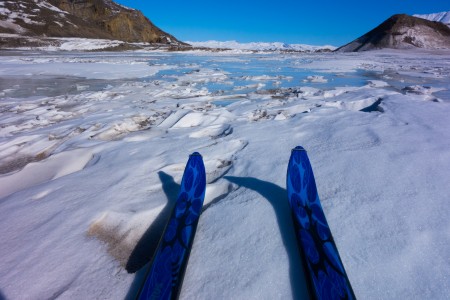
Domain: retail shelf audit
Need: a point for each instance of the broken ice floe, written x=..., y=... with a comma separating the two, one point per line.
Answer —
x=316, y=79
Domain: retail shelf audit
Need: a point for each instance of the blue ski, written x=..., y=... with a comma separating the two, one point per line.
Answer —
x=325, y=273
x=166, y=271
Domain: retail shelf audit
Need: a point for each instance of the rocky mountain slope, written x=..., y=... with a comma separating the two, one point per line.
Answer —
x=79, y=18
x=402, y=32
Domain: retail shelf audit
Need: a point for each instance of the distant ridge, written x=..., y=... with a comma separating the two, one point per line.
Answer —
x=261, y=46
x=443, y=17
x=402, y=32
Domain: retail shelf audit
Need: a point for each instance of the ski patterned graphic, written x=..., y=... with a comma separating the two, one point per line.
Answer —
x=325, y=273
x=166, y=272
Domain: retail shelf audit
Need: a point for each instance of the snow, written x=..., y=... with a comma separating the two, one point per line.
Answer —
x=93, y=147
x=259, y=46
x=11, y=25
x=56, y=166
x=12, y=16
x=45, y=4
x=27, y=12
x=123, y=6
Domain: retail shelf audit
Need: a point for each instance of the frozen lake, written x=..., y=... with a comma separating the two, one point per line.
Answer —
x=93, y=146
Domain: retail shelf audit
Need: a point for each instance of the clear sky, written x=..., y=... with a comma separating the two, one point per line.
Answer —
x=316, y=22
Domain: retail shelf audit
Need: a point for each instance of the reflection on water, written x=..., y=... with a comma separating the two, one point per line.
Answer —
x=50, y=86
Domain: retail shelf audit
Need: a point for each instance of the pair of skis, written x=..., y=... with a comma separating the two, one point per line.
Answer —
x=324, y=272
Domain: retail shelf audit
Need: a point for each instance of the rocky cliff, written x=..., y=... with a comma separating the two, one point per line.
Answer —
x=402, y=32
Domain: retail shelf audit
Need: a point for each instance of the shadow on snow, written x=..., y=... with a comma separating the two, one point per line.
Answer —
x=146, y=247
x=278, y=198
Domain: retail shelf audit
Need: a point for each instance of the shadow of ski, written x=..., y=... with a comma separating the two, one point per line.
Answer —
x=145, y=249
x=278, y=198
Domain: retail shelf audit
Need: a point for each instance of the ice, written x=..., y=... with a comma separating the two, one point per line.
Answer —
x=315, y=78
x=126, y=67
x=93, y=147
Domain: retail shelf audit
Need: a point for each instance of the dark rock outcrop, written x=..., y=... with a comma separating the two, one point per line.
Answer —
x=402, y=32
x=103, y=19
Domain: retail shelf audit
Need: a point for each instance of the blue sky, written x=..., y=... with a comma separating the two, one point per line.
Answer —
x=315, y=22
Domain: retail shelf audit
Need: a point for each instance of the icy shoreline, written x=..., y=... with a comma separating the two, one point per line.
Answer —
x=93, y=145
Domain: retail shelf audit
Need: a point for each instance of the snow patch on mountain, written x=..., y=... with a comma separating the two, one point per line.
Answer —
x=9, y=24
x=260, y=46
x=13, y=13
x=45, y=4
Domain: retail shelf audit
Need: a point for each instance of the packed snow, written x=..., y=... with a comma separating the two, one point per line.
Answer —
x=93, y=148
x=260, y=46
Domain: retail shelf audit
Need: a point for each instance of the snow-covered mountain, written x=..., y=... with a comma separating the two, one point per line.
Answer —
x=261, y=46
x=402, y=32
x=443, y=17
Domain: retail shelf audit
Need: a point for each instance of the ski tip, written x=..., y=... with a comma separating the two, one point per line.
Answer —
x=195, y=154
x=299, y=148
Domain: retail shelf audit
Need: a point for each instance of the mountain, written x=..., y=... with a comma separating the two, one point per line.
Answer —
x=443, y=17
x=102, y=19
x=261, y=46
x=402, y=32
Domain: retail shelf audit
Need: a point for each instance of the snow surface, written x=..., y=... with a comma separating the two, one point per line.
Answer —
x=93, y=146
x=259, y=46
